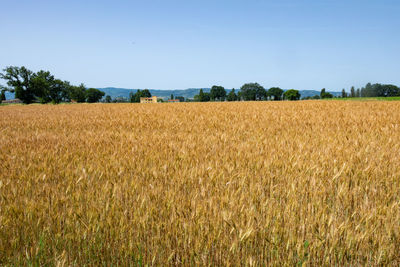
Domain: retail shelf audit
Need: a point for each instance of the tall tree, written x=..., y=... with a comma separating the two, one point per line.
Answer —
x=369, y=90
x=252, y=91
x=276, y=93
x=19, y=79
x=49, y=89
x=2, y=96
x=202, y=97
x=362, y=92
x=344, y=94
x=135, y=98
x=232, y=96
x=93, y=95
x=180, y=98
x=352, y=92
x=358, y=92
x=57, y=92
x=217, y=93
x=41, y=83
x=325, y=94
x=78, y=93
x=108, y=99
x=291, y=95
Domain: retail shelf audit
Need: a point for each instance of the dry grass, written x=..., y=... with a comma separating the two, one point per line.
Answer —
x=311, y=182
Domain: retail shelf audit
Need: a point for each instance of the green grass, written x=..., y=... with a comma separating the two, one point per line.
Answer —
x=392, y=98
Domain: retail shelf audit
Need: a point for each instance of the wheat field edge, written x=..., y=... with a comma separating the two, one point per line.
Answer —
x=243, y=183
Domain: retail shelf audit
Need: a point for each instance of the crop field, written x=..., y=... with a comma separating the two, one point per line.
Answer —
x=241, y=183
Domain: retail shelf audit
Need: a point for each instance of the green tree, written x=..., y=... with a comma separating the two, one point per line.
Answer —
x=58, y=91
x=108, y=99
x=19, y=79
x=42, y=82
x=232, y=96
x=217, y=93
x=291, y=94
x=66, y=93
x=362, y=92
x=2, y=96
x=325, y=94
x=172, y=97
x=352, y=92
x=344, y=94
x=276, y=93
x=202, y=97
x=358, y=92
x=146, y=93
x=252, y=91
x=135, y=98
x=316, y=97
x=78, y=93
x=180, y=98
x=369, y=90
x=94, y=95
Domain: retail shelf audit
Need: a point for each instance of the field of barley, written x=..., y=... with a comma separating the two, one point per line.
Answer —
x=244, y=183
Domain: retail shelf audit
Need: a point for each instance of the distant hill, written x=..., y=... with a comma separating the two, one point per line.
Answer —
x=186, y=93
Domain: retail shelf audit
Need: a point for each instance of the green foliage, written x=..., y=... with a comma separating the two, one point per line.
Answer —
x=202, y=97
x=344, y=94
x=311, y=97
x=232, y=96
x=217, y=93
x=40, y=86
x=93, y=95
x=291, y=94
x=135, y=98
x=325, y=94
x=20, y=80
x=352, y=92
x=78, y=93
x=253, y=91
x=2, y=96
x=108, y=99
x=379, y=90
x=180, y=98
x=275, y=93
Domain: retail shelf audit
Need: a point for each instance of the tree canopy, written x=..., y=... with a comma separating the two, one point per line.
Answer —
x=276, y=93
x=135, y=97
x=41, y=86
x=325, y=94
x=94, y=95
x=217, y=93
x=291, y=94
x=232, y=96
x=253, y=91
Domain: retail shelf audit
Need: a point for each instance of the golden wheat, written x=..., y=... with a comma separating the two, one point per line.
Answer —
x=250, y=183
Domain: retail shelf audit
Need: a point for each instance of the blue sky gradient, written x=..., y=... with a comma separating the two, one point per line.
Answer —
x=304, y=44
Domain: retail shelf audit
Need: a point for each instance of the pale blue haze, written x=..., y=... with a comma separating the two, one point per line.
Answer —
x=306, y=44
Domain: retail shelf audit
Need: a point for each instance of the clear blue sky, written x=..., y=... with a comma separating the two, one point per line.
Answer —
x=303, y=44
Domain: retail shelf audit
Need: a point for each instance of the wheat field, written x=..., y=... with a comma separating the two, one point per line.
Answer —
x=245, y=183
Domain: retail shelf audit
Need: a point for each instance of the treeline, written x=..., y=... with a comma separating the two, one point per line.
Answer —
x=248, y=92
x=373, y=90
x=42, y=87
